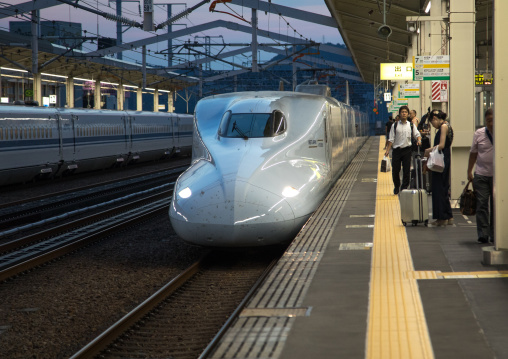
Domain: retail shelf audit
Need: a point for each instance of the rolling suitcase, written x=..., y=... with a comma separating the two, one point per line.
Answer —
x=415, y=173
x=414, y=204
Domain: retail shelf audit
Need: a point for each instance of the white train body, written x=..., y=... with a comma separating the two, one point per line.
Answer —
x=37, y=141
x=262, y=164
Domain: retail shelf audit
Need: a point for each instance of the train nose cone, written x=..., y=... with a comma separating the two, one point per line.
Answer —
x=231, y=213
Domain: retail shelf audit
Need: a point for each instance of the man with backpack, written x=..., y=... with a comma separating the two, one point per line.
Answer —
x=400, y=139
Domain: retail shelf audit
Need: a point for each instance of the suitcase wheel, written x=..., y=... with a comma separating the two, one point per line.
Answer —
x=404, y=223
x=426, y=223
x=414, y=223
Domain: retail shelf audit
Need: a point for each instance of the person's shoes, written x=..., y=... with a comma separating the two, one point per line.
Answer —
x=450, y=221
x=483, y=240
x=440, y=223
x=396, y=190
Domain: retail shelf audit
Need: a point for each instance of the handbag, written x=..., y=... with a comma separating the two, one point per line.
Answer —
x=467, y=201
x=436, y=161
x=386, y=165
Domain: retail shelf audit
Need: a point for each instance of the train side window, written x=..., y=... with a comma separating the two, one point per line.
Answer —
x=279, y=124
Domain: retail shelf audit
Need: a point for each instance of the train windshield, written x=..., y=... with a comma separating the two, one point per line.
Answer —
x=248, y=125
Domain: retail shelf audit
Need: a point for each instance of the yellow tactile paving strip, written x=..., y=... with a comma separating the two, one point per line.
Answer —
x=456, y=275
x=396, y=322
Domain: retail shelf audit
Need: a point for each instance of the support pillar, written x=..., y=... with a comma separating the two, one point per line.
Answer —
x=120, y=96
x=97, y=95
x=37, y=88
x=139, y=99
x=171, y=108
x=69, y=92
x=254, y=40
x=200, y=72
x=499, y=253
x=295, y=79
x=143, y=69
x=156, y=100
x=347, y=92
x=462, y=89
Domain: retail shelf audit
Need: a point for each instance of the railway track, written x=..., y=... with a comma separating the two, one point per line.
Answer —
x=38, y=208
x=23, y=254
x=188, y=315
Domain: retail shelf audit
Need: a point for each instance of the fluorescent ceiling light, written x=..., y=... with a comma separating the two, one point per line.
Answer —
x=61, y=76
x=427, y=5
x=8, y=68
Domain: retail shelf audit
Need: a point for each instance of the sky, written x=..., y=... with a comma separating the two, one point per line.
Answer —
x=94, y=25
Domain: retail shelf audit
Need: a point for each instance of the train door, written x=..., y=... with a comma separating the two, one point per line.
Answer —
x=128, y=132
x=60, y=125
x=327, y=119
x=74, y=128
x=175, y=122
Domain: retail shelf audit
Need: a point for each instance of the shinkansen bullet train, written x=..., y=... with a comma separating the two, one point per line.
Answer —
x=40, y=142
x=262, y=164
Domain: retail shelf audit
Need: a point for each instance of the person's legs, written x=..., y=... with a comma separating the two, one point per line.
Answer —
x=491, y=189
x=396, y=161
x=406, y=167
x=482, y=191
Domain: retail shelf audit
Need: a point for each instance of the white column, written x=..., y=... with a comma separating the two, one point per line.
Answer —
x=97, y=95
x=139, y=99
x=462, y=89
x=120, y=96
x=156, y=100
x=499, y=254
x=69, y=92
x=171, y=108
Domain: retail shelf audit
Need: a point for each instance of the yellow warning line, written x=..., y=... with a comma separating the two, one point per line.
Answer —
x=396, y=323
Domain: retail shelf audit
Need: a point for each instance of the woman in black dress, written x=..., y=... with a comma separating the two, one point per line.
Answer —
x=441, y=208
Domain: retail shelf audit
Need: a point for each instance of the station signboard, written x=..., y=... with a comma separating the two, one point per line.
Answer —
x=483, y=79
x=428, y=68
x=396, y=71
x=396, y=104
x=410, y=91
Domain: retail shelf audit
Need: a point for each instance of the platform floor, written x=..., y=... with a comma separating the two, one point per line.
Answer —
x=357, y=284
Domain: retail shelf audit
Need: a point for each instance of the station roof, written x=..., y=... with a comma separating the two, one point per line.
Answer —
x=16, y=52
x=359, y=20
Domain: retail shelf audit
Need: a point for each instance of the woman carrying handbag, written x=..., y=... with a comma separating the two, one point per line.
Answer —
x=441, y=208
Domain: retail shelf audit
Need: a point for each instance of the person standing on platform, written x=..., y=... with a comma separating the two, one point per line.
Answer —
x=413, y=118
x=482, y=153
x=441, y=208
x=400, y=139
x=388, y=127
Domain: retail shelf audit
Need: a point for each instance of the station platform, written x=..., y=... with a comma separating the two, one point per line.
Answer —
x=356, y=283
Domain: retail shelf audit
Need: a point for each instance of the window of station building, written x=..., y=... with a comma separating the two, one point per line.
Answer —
x=1, y=134
x=254, y=125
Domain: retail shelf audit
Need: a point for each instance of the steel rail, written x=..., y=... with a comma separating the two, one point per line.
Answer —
x=104, y=183
x=111, y=334
x=207, y=351
x=36, y=213
x=32, y=238
x=61, y=251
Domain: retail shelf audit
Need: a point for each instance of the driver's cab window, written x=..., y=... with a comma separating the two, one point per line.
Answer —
x=252, y=125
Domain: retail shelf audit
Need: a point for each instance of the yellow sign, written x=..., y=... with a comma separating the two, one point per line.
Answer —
x=397, y=71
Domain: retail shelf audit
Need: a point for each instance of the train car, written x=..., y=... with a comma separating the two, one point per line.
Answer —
x=40, y=142
x=262, y=163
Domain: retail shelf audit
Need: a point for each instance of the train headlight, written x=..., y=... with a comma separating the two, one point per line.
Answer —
x=290, y=191
x=185, y=193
